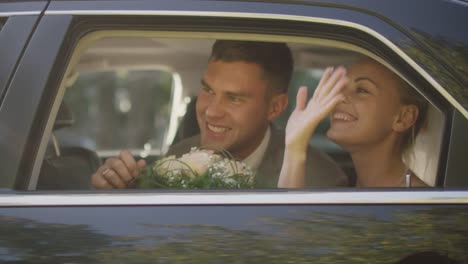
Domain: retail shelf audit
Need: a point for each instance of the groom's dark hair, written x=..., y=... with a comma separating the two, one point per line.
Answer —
x=274, y=58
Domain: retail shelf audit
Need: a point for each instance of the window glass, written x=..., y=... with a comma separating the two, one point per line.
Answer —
x=138, y=94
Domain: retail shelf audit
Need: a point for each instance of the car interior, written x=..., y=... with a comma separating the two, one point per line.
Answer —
x=142, y=91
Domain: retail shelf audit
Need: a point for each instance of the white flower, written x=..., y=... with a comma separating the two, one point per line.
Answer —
x=199, y=160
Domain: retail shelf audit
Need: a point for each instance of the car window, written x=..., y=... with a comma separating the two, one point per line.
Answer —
x=136, y=93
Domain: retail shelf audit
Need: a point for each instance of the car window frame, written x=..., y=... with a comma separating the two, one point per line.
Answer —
x=385, y=63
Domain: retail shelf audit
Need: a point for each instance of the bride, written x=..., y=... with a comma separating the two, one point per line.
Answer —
x=375, y=116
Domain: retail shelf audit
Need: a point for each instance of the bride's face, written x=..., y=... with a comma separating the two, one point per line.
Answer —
x=371, y=106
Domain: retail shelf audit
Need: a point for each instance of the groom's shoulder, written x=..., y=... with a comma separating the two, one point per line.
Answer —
x=184, y=146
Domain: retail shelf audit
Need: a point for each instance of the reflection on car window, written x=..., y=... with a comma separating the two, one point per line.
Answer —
x=117, y=110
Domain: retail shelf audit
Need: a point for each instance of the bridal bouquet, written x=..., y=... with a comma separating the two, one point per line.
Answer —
x=198, y=169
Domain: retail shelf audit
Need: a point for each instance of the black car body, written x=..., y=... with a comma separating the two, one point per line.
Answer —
x=425, y=41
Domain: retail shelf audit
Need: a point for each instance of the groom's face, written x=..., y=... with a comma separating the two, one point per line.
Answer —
x=232, y=107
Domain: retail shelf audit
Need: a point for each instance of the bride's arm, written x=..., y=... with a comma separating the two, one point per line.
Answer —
x=303, y=122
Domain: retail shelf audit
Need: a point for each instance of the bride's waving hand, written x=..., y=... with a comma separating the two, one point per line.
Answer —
x=307, y=115
x=304, y=120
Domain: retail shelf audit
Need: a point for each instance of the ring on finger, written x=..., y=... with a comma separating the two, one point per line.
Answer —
x=105, y=171
x=131, y=181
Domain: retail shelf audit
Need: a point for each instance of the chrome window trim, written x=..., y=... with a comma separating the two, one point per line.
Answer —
x=369, y=31
x=23, y=13
x=299, y=197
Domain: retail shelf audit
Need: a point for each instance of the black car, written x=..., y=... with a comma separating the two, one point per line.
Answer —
x=75, y=77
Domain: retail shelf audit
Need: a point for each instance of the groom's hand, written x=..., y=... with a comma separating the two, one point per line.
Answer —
x=118, y=172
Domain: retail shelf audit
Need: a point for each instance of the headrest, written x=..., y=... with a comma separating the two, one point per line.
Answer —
x=64, y=117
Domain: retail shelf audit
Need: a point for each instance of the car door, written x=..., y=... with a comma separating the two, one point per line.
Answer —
x=338, y=225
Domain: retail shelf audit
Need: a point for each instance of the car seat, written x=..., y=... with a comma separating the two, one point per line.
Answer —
x=66, y=167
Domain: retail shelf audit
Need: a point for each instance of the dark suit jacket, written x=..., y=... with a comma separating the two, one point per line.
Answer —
x=321, y=170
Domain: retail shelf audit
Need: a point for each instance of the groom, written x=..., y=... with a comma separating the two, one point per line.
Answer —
x=243, y=90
